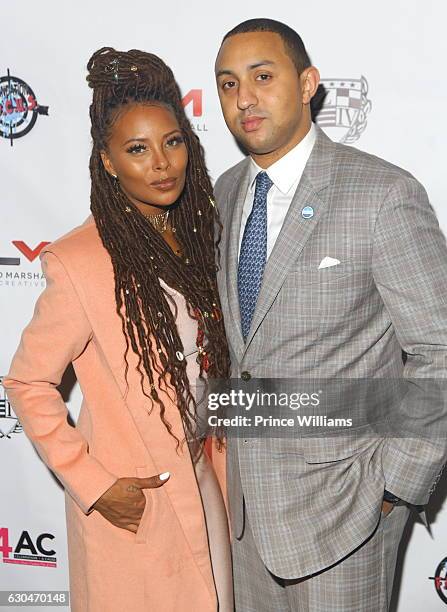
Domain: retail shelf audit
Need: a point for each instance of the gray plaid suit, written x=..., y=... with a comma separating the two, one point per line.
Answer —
x=350, y=320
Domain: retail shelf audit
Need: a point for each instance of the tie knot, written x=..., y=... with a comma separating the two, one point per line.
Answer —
x=263, y=183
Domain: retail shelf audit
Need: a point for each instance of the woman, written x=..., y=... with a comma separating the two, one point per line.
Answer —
x=131, y=301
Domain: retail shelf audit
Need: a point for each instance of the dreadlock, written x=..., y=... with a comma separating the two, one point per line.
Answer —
x=140, y=256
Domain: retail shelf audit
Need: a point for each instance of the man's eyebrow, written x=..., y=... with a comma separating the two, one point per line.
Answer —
x=250, y=67
x=261, y=63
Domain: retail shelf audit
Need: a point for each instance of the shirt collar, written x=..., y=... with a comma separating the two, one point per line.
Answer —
x=288, y=169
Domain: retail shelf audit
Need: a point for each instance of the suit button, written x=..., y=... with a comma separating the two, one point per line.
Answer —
x=245, y=375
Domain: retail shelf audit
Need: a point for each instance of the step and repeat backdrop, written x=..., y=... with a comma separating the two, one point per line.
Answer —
x=382, y=65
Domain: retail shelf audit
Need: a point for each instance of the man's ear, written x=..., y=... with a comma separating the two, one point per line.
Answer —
x=310, y=79
x=107, y=164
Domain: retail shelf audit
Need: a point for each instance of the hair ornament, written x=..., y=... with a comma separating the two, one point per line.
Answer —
x=113, y=66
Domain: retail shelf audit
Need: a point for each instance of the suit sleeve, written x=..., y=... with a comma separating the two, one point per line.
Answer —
x=410, y=272
x=56, y=336
x=218, y=187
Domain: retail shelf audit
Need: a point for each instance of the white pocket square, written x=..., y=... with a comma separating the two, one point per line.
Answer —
x=327, y=262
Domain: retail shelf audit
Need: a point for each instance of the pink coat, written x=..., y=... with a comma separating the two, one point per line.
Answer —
x=165, y=566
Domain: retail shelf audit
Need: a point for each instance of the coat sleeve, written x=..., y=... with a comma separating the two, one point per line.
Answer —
x=410, y=272
x=56, y=336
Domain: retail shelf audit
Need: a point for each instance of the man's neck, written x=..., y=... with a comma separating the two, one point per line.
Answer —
x=265, y=160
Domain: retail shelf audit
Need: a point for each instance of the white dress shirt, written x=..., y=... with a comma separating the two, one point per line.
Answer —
x=285, y=174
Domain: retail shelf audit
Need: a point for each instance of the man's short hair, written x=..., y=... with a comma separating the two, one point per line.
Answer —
x=293, y=44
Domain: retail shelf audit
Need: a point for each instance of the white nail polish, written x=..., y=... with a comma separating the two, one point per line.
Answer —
x=164, y=476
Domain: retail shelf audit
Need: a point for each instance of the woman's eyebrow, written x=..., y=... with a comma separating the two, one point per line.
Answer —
x=141, y=139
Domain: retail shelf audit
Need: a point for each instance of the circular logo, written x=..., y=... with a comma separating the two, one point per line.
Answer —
x=307, y=212
x=18, y=107
x=440, y=580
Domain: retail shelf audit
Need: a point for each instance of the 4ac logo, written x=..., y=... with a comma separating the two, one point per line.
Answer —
x=28, y=550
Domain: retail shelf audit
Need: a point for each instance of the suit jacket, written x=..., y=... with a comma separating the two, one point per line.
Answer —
x=312, y=500
x=166, y=564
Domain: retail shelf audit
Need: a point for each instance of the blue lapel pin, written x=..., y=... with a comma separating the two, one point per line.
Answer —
x=307, y=212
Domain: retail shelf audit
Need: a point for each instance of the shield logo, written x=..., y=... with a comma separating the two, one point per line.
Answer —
x=9, y=423
x=346, y=106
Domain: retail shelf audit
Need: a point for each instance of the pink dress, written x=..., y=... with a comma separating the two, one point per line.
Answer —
x=187, y=328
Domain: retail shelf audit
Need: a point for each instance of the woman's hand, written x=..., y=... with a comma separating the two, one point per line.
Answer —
x=123, y=503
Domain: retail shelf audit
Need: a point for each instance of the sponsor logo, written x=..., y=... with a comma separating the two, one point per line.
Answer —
x=26, y=549
x=19, y=108
x=17, y=271
x=9, y=423
x=345, y=109
x=440, y=580
x=193, y=105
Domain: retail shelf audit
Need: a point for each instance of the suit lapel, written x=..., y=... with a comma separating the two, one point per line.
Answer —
x=296, y=230
x=236, y=199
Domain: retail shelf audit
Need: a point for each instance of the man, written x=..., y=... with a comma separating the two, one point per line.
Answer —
x=333, y=263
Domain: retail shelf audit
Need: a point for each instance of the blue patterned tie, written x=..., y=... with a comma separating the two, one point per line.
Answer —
x=253, y=253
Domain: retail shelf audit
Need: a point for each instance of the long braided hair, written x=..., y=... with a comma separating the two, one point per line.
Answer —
x=140, y=256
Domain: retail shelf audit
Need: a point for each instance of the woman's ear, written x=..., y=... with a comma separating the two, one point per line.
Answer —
x=107, y=164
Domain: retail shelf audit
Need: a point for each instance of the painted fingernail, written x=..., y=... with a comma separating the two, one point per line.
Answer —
x=164, y=476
